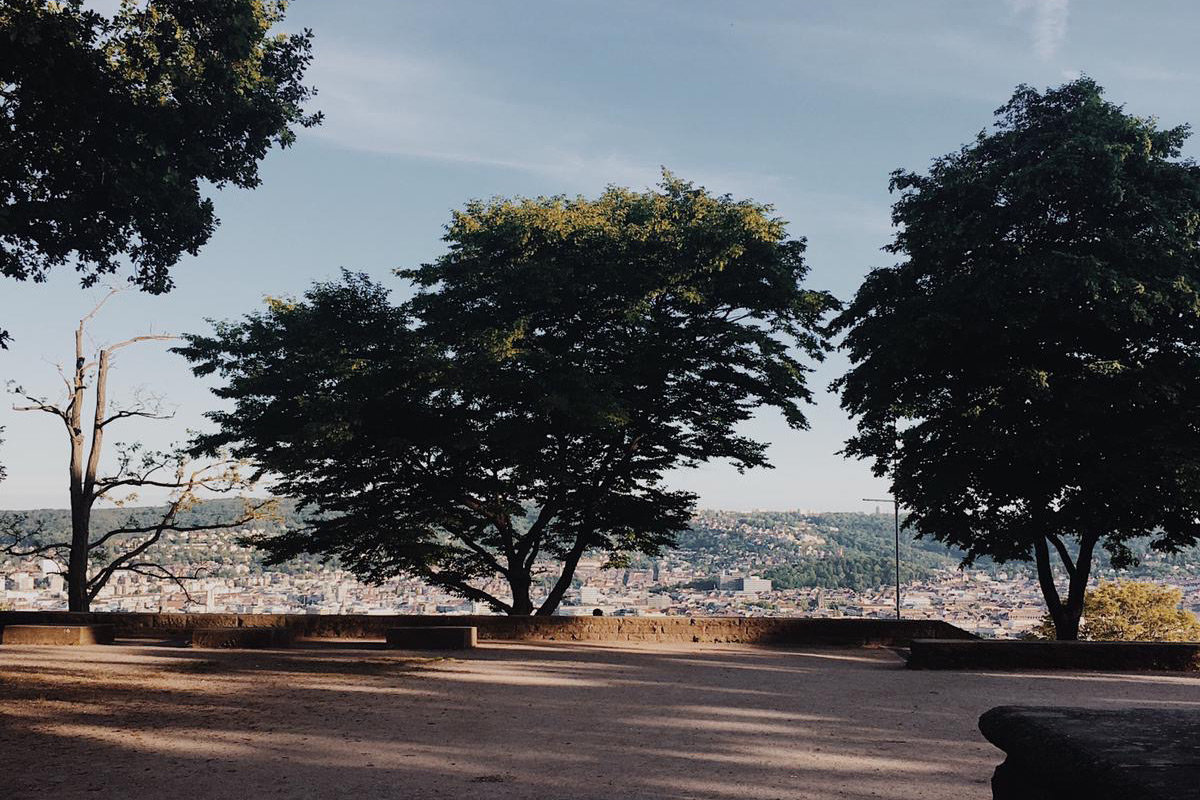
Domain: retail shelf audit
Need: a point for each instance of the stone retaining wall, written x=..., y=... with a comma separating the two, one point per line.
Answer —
x=57, y=634
x=755, y=630
x=1022, y=655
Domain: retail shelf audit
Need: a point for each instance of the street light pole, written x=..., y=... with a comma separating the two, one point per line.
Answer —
x=896, y=513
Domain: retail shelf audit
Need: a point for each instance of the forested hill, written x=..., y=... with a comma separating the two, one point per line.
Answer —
x=56, y=522
x=795, y=549
x=841, y=549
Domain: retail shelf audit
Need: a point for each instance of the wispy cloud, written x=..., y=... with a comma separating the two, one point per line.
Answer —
x=1049, y=20
x=949, y=60
x=441, y=110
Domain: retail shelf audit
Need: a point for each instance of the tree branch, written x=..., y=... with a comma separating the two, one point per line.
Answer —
x=12, y=525
x=1063, y=553
x=172, y=528
x=96, y=309
x=475, y=547
x=10, y=549
x=1046, y=577
x=143, y=568
x=467, y=590
x=127, y=413
x=531, y=543
x=150, y=337
x=39, y=405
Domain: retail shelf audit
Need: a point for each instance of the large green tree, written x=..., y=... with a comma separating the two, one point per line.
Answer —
x=1132, y=611
x=521, y=410
x=114, y=129
x=1028, y=374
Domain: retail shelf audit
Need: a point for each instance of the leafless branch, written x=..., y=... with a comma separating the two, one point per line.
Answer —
x=151, y=337
x=37, y=404
x=154, y=570
x=15, y=537
x=165, y=524
x=96, y=309
x=130, y=412
x=245, y=519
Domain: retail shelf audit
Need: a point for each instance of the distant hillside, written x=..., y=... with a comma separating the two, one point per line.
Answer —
x=857, y=551
x=57, y=521
x=217, y=550
x=793, y=549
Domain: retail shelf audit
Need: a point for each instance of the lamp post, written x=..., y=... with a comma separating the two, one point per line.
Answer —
x=896, y=512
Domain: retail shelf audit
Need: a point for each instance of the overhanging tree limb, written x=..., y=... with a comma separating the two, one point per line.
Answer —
x=96, y=172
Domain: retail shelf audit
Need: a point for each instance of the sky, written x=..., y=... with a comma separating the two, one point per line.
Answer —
x=805, y=105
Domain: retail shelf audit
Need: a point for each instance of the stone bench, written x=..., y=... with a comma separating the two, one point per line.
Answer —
x=241, y=638
x=433, y=637
x=1076, y=753
x=57, y=634
x=1014, y=654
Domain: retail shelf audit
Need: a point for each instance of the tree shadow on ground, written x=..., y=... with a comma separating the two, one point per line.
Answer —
x=515, y=720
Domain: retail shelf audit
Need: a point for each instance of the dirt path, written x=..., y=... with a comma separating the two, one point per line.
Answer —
x=513, y=721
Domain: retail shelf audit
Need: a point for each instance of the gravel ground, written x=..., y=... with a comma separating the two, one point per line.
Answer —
x=513, y=721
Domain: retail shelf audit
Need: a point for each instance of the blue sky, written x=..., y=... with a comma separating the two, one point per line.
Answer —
x=805, y=105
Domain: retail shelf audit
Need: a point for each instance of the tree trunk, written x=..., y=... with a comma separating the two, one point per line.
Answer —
x=77, y=564
x=83, y=476
x=1066, y=615
x=1066, y=624
x=1077, y=591
x=81, y=503
x=522, y=604
x=552, y=601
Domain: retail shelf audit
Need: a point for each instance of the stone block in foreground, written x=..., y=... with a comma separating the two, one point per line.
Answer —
x=1013, y=654
x=1076, y=753
x=57, y=634
x=241, y=638
x=433, y=637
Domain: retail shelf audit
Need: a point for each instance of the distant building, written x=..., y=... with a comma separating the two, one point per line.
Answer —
x=750, y=585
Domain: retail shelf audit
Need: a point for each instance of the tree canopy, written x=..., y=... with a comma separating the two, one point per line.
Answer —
x=1028, y=374
x=112, y=129
x=522, y=408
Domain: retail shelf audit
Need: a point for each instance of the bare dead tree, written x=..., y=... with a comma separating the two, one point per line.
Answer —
x=92, y=559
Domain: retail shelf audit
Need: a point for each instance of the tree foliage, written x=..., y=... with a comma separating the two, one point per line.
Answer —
x=1029, y=372
x=522, y=408
x=1133, y=611
x=113, y=128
